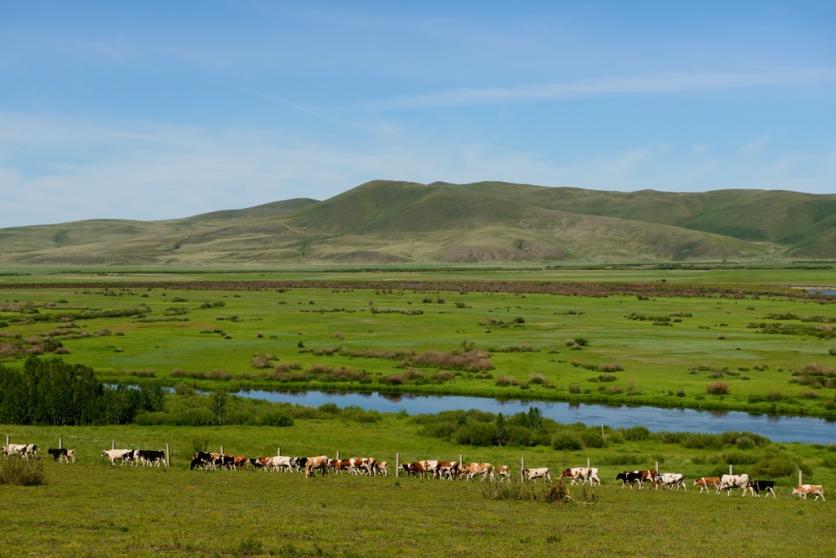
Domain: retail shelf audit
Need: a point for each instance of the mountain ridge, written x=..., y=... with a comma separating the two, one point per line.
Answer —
x=401, y=221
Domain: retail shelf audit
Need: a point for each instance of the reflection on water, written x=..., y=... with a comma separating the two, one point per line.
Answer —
x=780, y=429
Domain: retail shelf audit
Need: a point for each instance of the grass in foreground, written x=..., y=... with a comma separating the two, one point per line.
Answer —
x=94, y=509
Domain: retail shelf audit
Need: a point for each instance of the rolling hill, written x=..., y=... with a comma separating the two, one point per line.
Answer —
x=389, y=221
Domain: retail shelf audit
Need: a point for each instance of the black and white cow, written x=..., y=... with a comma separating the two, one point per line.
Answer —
x=730, y=482
x=62, y=454
x=759, y=486
x=23, y=450
x=629, y=477
x=150, y=458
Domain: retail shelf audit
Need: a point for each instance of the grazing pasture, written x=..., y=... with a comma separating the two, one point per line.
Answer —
x=93, y=508
x=771, y=354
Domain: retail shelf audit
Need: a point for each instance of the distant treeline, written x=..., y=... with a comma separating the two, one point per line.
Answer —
x=52, y=392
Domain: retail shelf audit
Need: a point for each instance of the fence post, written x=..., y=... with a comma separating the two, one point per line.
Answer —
x=800, y=482
x=113, y=444
x=60, y=442
x=167, y=456
x=731, y=469
x=397, y=463
x=8, y=439
x=461, y=460
x=278, y=452
x=222, y=451
x=338, y=455
x=588, y=463
x=522, y=468
x=603, y=439
x=657, y=467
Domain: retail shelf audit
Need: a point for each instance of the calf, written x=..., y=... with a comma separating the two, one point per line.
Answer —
x=730, y=482
x=629, y=478
x=802, y=491
x=759, y=486
x=673, y=481
x=417, y=469
x=539, y=473
x=446, y=470
x=362, y=465
x=381, y=468
x=708, y=482
x=650, y=476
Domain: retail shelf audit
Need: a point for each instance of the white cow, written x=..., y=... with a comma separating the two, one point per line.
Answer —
x=673, y=481
x=122, y=455
x=729, y=482
x=539, y=473
x=23, y=450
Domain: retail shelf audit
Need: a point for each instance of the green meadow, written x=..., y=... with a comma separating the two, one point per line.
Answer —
x=761, y=353
x=92, y=509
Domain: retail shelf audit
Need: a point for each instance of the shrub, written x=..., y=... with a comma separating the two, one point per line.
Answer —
x=717, y=388
x=574, y=388
x=567, y=442
x=592, y=439
x=21, y=472
x=636, y=433
x=557, y=493
x=276, y=418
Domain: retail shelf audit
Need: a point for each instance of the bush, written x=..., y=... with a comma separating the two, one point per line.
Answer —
x=567, y=442
x=636, y=433
x=717, y=388
x=592, y=439
x=21, y=472
x=276, y=418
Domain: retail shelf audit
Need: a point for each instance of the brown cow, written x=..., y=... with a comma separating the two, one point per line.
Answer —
x=504, y=472
x=805, y=490
x=314, y=464
x=472, y=470
x=705, y=483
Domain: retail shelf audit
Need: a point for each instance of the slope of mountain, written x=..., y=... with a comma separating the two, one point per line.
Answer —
x=388, y=221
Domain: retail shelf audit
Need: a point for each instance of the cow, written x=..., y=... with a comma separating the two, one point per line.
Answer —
x=673, y=481
x=362, y=465
x=153, y=458
x=381, y=468
x=446, y=470
x=281, y=463
x=417, y=469
x=265, y=463
x=298, y=463
x=759, y=486
x=582, y=474
x=473, y=470
x=122, y=455
x=650, y=476
x=339, y=465
x=629, y=478
x=707, y=482
x=538, y=473
x=503, y=472
x=730, y=482
x=62, y=455
x=23, y=450
x=803, y=490
x=314, y=464
x=202, y=460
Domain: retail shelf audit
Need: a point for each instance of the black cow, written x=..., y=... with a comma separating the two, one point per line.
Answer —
x=201, y=459
x=767, y=486
x=62, y=454
x=151, y=457
x=629, y=477
x=298, y=463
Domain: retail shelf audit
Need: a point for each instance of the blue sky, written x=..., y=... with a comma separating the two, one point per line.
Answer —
x=152, y=110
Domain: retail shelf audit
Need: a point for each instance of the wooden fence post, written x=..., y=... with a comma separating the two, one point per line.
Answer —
x=222, y=451
x=278, y=452
x=522, y=468
x=461, y=460
x=113, y=444
x=588, y=463
x=800, y=478
x=731, y=469
x=338, y=455
x=657, y=467
x=167, y=456
x=603, y=438
x=8, y=439
x=60, y=442
x=397, y=463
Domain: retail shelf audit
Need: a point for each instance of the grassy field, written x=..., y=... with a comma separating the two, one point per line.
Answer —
x=93, y=509
x=655, y=350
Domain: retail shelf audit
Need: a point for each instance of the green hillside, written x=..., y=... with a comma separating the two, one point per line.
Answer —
x=392, y=221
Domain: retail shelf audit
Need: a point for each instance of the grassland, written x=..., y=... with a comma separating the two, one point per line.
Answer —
x=657, y=349
x=93, y=509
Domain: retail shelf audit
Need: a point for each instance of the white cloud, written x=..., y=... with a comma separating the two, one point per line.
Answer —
x=650, y=83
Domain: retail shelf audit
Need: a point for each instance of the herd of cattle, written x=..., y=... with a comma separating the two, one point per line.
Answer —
x=435, y=469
